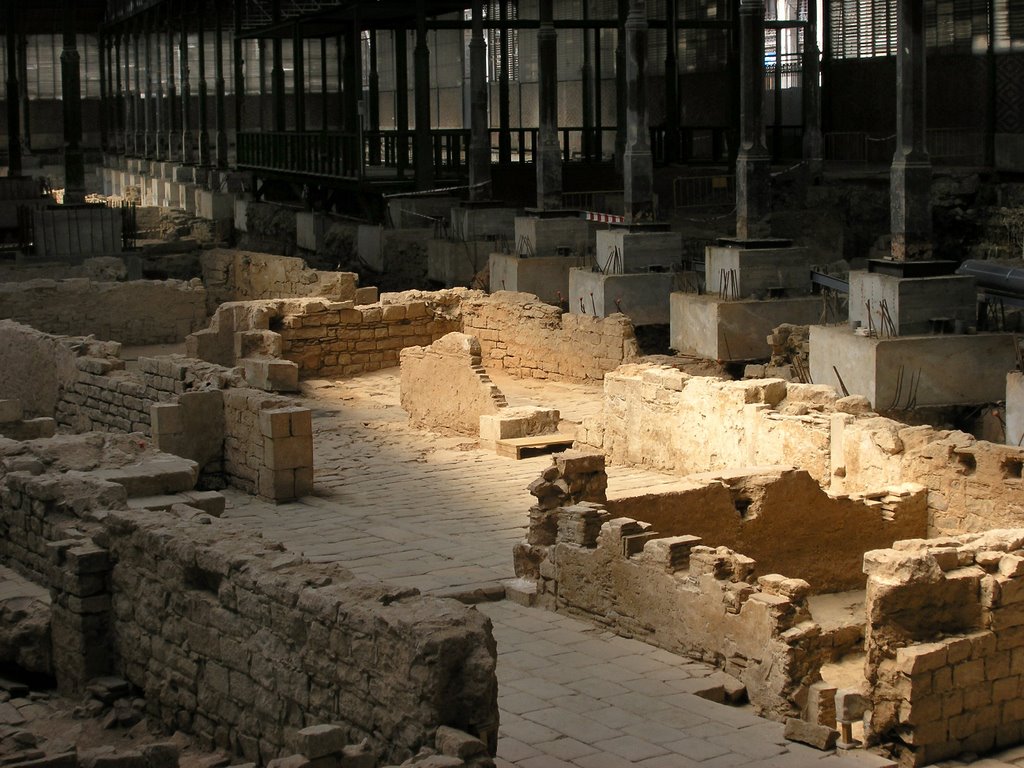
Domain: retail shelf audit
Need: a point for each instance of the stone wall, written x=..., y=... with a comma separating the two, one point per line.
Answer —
x=659, y=417
x=236, y=641
x=945, y=646
x=137, y=312
x=36, y=367
x=530, y=339
x=444, y=386
x=233, y=275
x=782, y=519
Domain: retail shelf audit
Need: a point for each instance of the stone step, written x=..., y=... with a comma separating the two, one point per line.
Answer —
x=537, y=445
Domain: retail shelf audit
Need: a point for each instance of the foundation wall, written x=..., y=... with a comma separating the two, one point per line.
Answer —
x=662, y=418
x=43, y=363
x=945, y=649
x=137, y=312
x=239, y=643
x=529, y=339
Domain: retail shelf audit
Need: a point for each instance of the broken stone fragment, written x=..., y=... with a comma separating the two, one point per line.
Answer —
x=320, y=740
x=812, y=734
x=456, y=743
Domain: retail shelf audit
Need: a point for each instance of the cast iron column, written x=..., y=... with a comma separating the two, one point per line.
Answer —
x=672, y=81
x=620, y=85
x=753, y=163
x=104, y=90
x=239, y=72
x=637, y=163
x=549, y=151
x=119, y=100
x=219, y=111
x=325, y=100
x=13, y=96
x=504, y=120
x=129, y=98
x=138, y=102
x=812, y=143
x=479, y=133
x=148, y=94
x=373, y=97
x=277, y=73
x=159, y=105
x=587, y=89
x=26, y=107
x=171, y=106
x=911, y=174
x=203, y=155
x=186, y=90
x=71, y=99
x=299, y=77
x=402, y=99
x=423, y=154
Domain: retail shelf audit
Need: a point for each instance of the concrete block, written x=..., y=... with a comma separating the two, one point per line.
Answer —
x=479, y=222
x=369, y=246
x=912, y=303
x=547, y=277
x=946, y=370
x=1015, y=408
x=758, y=270
x=643, y=297
x=453, y=263
x=549, y=235
x=309, y=230
x=216, y=206
x=620, y=250
x=720, y=329
x=241, y=214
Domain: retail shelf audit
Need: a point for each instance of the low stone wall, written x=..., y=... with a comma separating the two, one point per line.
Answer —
x=665, y=419
x=530, y=339
x=944, y=644
x=232, y=639
x=136, y=312
x=444, y=386
x=37, y=367
x=233, y=275
x=782, y=519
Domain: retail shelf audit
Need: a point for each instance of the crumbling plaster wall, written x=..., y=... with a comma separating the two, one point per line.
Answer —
x=662, y=418
x=136, y=312
x=236, y=641
x=945, y=644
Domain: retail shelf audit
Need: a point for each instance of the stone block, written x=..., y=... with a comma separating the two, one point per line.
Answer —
x=321, y=740
x=455, y=743
x=10, y=410
x=271, y=375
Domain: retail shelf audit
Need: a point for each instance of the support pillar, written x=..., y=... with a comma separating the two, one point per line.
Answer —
x=26, y=106
x=128, y=98
x=423, y=153
x=277, y=73
x=504, y=119
x=71, y=99
x=324, y=90
x=148, y=128
x=299, y=78
x=171, y=102
x=620, y=85
x=480, y=136
x=812, y=142
x=373, y=97
x=219, y=112
x=911, y=174
x=138, y=103
x=402, y=99
x=239, y=72
x=186, y=95
x=352, y=82
x=119, y=100
x=13, y=95
x=753, y=163
x=587, y=88
x=549, y=152
x=637, y=162
x=203, y=154
x=672, y=81
x=159, y=106
x=105, y=92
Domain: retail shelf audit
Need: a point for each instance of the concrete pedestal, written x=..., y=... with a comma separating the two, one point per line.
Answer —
x=733, y=329
x=913, y=370
x=1015, y=408
x=454, y=263
x=621, y=250
x=480, y=221
x=916, y=305
x=188, y=198
x=172, y=194
x=552, y=235
x=241, y=214
x=642, y=296
x=217, y=206
x=547, y=277
x=758, y=272
x=185, y=174
x=309, y=230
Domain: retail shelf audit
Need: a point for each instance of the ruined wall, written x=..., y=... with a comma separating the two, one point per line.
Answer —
x=137, y=312
x=782, y=519
x=444, y=386
x=233, y=275
x=530, y=339
x=945, y=650
x=659, y=417
x=44, y=364
x=236, y=641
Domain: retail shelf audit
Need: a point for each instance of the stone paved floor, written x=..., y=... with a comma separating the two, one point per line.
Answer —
x=437, y=513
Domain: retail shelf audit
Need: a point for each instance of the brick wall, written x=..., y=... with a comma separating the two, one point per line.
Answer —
x=236, y=641
x=137, y=312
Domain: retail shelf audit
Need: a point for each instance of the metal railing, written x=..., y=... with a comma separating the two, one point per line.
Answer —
x=703, y=191
x=946, y=146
